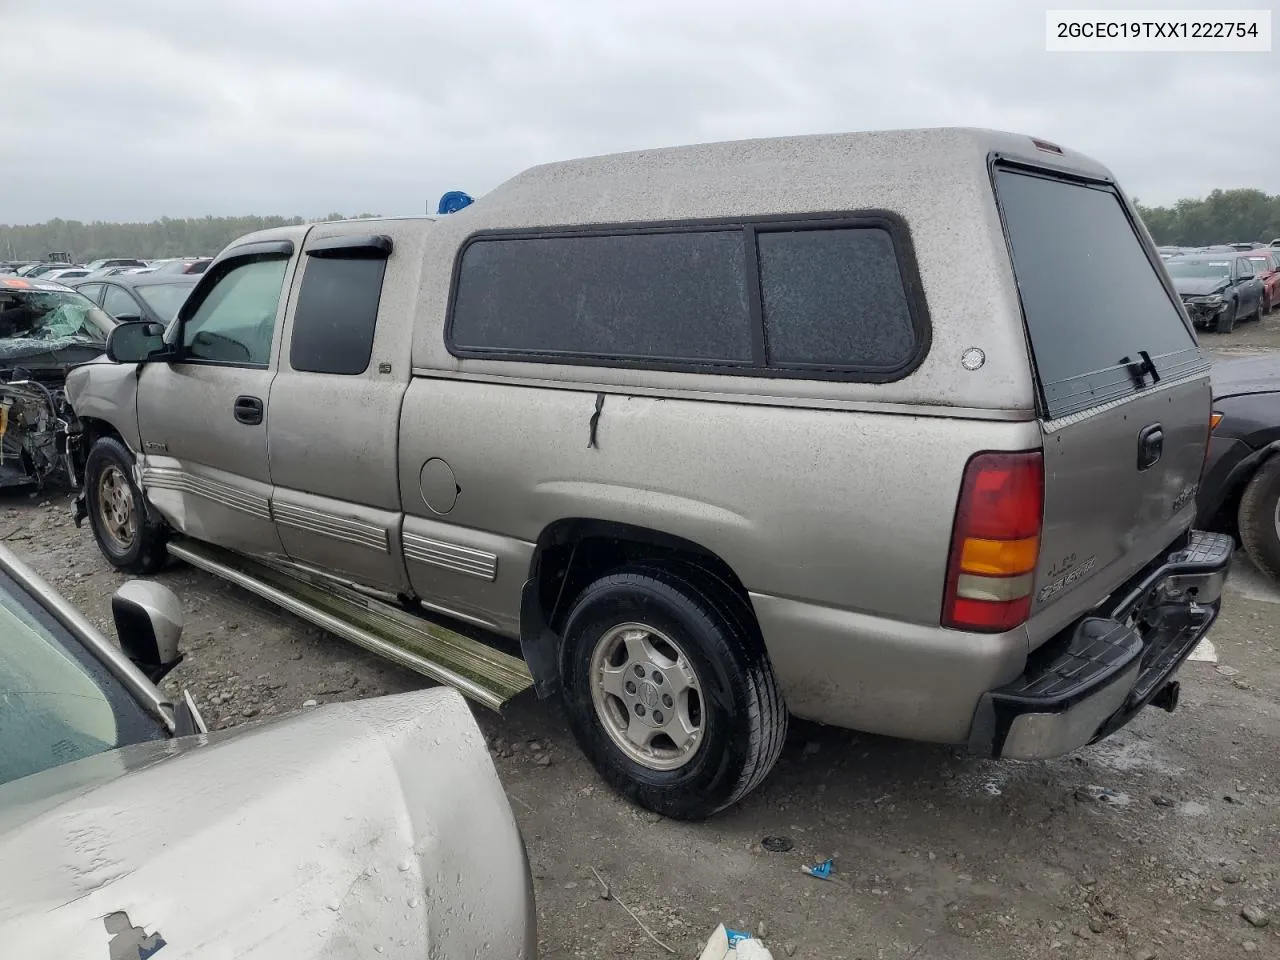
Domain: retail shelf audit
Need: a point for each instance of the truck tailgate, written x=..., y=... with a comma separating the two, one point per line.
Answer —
x=1109, y=507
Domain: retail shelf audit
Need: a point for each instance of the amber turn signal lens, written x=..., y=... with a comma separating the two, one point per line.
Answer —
x=999, y=558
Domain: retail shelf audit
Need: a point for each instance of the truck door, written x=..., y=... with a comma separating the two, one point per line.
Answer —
x=335, y=404
x=202, y=417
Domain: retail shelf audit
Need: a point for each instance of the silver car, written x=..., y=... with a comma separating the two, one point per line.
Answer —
x=359, y=829
x=895, y=431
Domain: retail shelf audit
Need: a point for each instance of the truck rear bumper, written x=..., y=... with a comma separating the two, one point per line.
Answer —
x=1095, y=676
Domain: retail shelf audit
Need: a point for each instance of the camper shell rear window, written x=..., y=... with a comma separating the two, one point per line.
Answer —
x=1095, y=306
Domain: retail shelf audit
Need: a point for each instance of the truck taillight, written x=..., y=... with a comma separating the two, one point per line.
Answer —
x=995, y=542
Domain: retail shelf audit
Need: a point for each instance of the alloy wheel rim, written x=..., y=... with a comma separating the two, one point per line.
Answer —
x=117, y=518
x=647, y=696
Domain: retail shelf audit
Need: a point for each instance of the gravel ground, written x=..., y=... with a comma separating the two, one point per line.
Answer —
x=1162, y=842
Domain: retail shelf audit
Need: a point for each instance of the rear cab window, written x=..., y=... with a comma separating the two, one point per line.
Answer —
x=1092, y=300
x=336, y=315
x=820, y=298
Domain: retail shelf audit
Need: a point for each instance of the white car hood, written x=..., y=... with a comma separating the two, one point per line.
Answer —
x=372, y=828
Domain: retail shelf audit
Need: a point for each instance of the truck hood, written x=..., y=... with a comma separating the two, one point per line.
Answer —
x=356, y=829
x=1231, y=378
x=1198, y=286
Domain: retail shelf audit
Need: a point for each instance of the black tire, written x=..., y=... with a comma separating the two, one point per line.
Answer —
x=1227, y=319
x=743, y=717
x=1258, y=518
x=109, y=468
x=1256, y=316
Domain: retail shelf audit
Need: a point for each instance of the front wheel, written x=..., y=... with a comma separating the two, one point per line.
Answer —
x=1259, y=518
x=125, y=535
x=669, y=691
x=1227, y=318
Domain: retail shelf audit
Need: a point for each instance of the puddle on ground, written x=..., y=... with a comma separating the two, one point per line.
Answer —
x=1124, y=752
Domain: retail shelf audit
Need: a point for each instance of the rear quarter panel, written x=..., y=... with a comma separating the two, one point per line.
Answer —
x=851, y=509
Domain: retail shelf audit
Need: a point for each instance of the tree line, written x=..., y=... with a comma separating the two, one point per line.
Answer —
x=1221, y=217
x=166, y=237
x=1224, y=216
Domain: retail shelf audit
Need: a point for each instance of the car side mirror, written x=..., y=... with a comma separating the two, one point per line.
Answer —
x=137, y=342
x=149, y=622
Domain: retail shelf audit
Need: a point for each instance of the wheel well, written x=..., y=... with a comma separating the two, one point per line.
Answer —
x=91, y=431
x=572, y=553
x=1226, y=519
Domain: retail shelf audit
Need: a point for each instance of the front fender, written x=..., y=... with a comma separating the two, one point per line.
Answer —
x=107, y=392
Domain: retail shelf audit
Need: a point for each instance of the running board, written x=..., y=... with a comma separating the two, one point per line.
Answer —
x=475, y=669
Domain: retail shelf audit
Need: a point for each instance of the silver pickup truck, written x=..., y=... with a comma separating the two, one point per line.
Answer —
x=896, y=431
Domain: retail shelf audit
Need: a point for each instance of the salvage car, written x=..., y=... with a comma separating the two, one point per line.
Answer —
x=1240, y=490
x=45, y=330
x=65, y=275
x=146, y=296
x=1267, y=265
x=123, y=262
x=1217, y=289
x=125, y=827
x=652, y=417
x=190, y=266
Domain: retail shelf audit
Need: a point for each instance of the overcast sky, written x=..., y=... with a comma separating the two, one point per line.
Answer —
x=134, y=109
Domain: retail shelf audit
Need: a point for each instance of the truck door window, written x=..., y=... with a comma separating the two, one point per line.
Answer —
x=337, y=310
x=236, y=321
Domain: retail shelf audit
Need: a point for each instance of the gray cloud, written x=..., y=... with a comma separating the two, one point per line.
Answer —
x=133, y=109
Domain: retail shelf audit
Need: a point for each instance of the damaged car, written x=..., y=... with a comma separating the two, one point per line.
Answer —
x=45, y=330
x=1218, y=289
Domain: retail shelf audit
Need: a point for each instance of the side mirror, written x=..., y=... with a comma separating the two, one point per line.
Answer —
x=137, y=342
x=148, y=622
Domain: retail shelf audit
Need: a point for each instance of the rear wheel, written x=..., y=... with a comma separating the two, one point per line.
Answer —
x=669, y=691
x=1258, y=310
x=1227, y=318
x=1259, y=518
x=126, y=536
